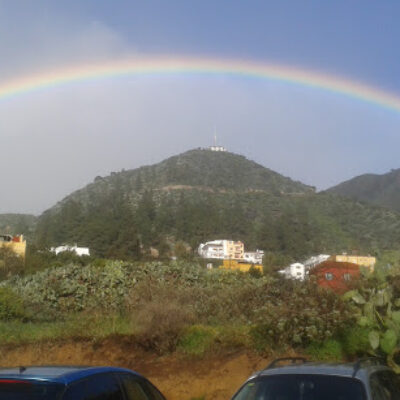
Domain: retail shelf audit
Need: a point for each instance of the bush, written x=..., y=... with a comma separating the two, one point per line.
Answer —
x=11, y=305
x=355, y=341
x=299, y=315
x=160, y=325
x=197, y=340
x=329, y=350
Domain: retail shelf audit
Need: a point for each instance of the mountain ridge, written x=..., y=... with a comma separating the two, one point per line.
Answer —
x=378, y=189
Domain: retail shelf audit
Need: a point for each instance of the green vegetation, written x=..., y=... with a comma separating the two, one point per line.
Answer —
x=171, y=306
x=381, y=190
x=181, y=306
x=18, y=224
x=201, y=195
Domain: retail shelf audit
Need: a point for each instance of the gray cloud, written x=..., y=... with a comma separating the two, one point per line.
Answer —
x=55, y=141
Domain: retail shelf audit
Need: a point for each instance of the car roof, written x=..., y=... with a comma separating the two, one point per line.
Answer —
x=335, y=369
x=56, y=374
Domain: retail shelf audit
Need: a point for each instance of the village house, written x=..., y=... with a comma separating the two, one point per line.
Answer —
x=363, y=261
x=294, y=271
x=16, y=243
x=222, y=249
x=79, y=251
x=336, y=275
x=254, y=257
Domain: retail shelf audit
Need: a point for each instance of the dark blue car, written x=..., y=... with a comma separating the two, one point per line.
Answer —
x=75, y=383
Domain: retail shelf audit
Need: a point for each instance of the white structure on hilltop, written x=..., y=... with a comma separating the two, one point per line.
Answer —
x=254, y=257
x=79, y=251
x=222, y=249
x=216, y=147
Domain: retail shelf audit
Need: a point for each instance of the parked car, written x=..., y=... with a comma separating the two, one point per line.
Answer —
x=75, y=383
x=366, y=379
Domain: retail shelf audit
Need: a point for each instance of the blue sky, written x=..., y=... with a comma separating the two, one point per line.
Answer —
x=59, y=140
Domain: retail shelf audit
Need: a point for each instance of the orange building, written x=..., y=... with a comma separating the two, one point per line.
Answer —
x=334, y=275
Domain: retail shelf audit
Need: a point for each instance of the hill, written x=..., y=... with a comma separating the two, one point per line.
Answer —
x=202, y=195
x=382, y=190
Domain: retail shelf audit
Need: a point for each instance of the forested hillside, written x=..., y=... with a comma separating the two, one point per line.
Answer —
x=203, y=195
x=18, y=224
x=382, y=190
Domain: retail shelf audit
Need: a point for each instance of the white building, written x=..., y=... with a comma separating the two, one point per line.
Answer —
x=254, y=257
x=294, y=271
x=315, y=260
x=79, y=251
x=217, y=148
x=222, y=249
x=301, y=270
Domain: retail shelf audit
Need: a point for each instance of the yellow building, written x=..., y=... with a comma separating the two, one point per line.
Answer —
x=235, y=265
x=16, y=243
x=234, y=250
x=362, y=261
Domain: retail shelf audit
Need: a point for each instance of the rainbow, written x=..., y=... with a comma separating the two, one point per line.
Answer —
x=178, y=66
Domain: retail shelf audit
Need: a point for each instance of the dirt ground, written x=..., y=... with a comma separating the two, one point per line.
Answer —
x=214, y=377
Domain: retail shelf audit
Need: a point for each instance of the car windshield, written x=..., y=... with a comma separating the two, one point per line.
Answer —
x=23, y=390
x=301, y=387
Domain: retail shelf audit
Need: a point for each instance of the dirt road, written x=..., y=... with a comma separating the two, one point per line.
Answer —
x=212, y=378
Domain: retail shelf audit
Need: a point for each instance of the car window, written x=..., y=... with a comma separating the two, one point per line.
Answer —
x=134, y=387
x=20, y=390
x=75, y=391
x=385, y=385
x=156, y=395
x=96, y=387
x=302, y=387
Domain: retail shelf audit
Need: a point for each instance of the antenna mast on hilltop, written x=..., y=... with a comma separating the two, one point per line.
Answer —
x=216, y=147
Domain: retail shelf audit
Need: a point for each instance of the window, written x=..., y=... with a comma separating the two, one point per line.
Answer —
x=347, y=277
x=134, y=388
x=156, y=395
x=385, y=385
x=138, y=388
x=22, y=390
x=329, y=276
x=96, y=387
x=302, y=387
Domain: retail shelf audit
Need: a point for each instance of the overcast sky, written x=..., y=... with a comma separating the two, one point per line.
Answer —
x=55, y=141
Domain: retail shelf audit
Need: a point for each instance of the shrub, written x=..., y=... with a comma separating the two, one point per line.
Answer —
x=355, y=341
x=329, y=350
x=197, y=340
x=11, y=305
x=299, y=315
x=160, y=325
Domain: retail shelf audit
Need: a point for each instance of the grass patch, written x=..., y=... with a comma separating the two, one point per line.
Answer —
x=85, y=327
x=197, y=340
